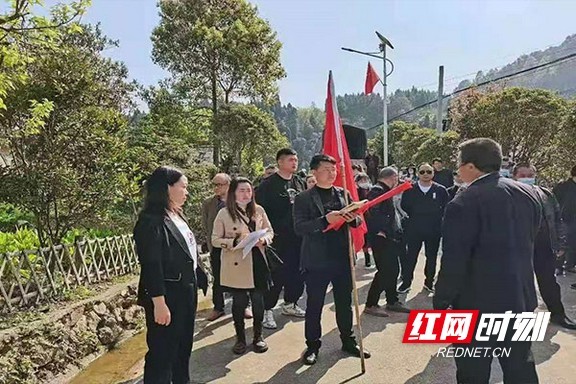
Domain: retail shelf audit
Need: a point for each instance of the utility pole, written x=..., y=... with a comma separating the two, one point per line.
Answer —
x=440, y=97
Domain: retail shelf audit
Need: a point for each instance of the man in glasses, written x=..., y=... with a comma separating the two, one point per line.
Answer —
x=210, y=208
x=424, y=204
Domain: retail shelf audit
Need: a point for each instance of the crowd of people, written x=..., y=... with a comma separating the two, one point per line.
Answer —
x=497, y=228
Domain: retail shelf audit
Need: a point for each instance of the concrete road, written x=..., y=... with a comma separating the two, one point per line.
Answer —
x=392, y=362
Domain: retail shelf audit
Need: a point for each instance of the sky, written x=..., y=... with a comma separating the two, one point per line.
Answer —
x=463, y=35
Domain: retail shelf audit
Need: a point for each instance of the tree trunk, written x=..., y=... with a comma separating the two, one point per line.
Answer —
x=216, y=147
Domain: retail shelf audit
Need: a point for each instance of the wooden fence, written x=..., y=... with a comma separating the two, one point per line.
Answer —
x=32, y=277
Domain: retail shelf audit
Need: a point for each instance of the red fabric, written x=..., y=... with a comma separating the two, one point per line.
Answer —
x=372, y=79
x=331, y=148
x=391, y=193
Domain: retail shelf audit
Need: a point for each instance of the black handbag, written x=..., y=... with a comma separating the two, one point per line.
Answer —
x=272, y=259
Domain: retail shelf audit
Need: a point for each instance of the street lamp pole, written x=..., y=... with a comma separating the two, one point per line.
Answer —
x=384, y=42
x=385, y=109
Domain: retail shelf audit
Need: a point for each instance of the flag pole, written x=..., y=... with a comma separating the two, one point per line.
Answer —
x=338, y=130
x=352, y=255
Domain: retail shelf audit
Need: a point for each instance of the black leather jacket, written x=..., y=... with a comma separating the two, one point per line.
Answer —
x=554, y=222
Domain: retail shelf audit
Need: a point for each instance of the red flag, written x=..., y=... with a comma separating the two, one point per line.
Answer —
x=372, y=79
x=335, y=145
x=391, y=193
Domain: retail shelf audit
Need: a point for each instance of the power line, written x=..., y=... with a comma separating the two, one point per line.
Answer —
x=534, y=68
x=500, y=67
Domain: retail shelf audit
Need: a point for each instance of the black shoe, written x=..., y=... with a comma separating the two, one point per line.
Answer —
x=310, y=357
x=573, y=286
x=398, y=307
x=354, y=350
x=260, y=345
x=563, y=321
x=239, y=348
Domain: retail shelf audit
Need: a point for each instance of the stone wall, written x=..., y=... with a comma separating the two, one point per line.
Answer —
x=40, y=351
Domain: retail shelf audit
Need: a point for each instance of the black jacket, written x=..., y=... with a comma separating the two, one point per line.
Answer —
x=309, y=222
x=555, y=228
x=445, y=177
x=489, y=232
x=382, y=217
x=425, y=210
x=164, y=257
x=565, y=193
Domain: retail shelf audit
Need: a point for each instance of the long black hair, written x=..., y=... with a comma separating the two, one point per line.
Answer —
x=156, y=200
x=233, y=208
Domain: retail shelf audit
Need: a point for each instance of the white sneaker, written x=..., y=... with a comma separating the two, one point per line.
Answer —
x=289, y=309
x=269, y=322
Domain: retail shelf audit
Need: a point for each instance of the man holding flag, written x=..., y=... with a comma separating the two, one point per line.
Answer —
x=326, y=256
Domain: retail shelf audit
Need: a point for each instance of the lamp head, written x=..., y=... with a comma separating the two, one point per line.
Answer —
x=384, y=41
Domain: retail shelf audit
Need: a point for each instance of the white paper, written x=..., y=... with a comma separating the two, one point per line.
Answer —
x=250, y=241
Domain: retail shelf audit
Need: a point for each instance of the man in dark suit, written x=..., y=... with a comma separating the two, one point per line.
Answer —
x=424, y=205
x=489, y=232
x=325, y=256
x=550, y=245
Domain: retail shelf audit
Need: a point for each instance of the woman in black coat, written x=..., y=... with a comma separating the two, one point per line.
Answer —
x=169, y=279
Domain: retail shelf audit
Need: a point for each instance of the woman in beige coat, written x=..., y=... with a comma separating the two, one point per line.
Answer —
x=245, y=277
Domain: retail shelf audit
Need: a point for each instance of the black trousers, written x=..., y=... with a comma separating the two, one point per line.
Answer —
x=316, y=285
x=240, y=299
x=169, y=347
x=518, y=368
x=544, y=268
x=288, y=277
x=571, y=251
x=217, y=291
x=386, y=253
x=414, y=242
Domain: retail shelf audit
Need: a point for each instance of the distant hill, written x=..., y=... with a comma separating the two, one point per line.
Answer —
x=560, y=77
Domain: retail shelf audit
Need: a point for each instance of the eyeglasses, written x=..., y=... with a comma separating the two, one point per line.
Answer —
x=425, y=171
x=218, y=184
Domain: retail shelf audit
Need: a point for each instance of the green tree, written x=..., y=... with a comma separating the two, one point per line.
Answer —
x=444, y=146
x=65, y=169
x=529, y=124
x=412, y=144
x=563, y=155
x=250, y=138
x=171, y=130
x=221, y=48
x=21, y=32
